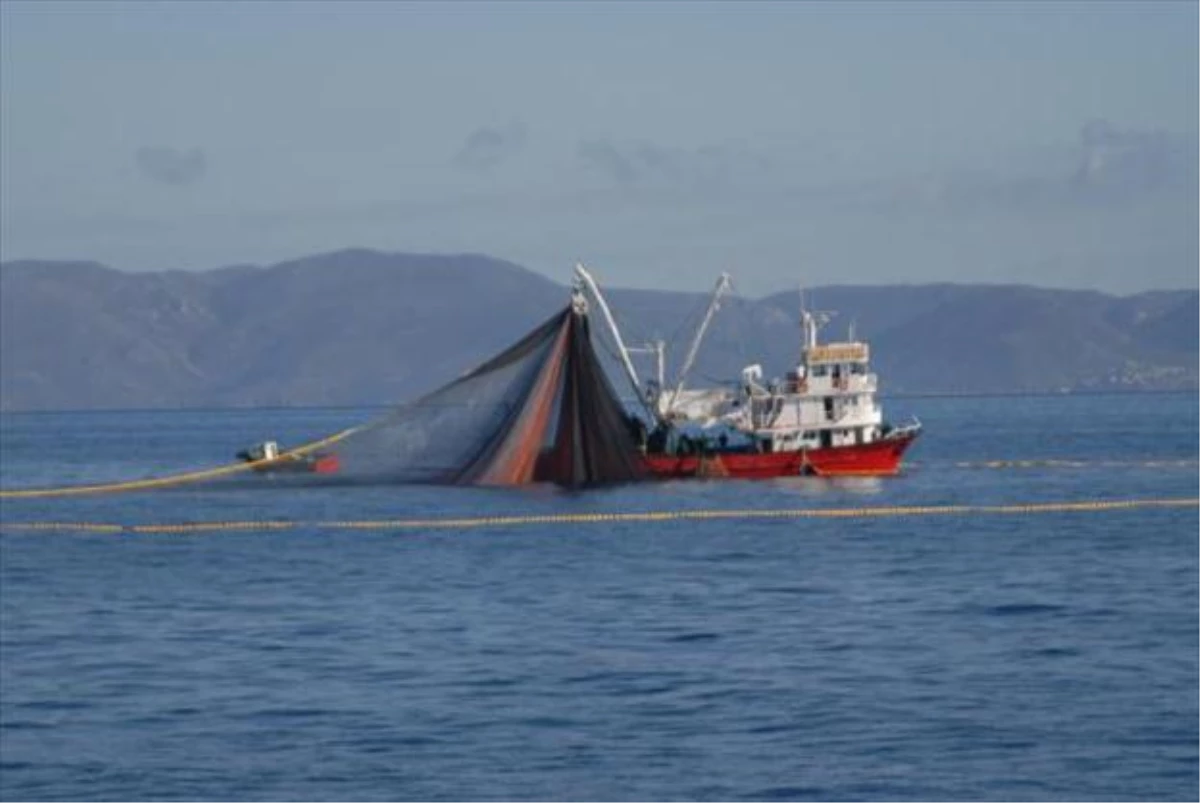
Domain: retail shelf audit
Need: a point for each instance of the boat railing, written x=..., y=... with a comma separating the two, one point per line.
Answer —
x=862, y=383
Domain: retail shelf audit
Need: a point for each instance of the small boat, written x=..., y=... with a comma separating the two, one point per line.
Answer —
x=821, y=419
x=268, y=459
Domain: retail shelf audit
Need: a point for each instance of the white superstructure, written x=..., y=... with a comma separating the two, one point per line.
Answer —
x=826, y=401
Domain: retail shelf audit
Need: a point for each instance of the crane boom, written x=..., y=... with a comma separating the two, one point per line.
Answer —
x=582, y=274
x=723, y=286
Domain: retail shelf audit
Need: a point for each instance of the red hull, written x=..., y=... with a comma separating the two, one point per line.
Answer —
x=881, y=458
x=309, y=464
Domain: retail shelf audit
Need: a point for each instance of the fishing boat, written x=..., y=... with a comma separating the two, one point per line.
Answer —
x=822, y=418
x=561, y=421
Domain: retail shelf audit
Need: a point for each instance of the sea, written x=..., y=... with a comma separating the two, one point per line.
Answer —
x=979, y=655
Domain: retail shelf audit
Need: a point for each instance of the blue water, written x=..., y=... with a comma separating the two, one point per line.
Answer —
x=1021, y=657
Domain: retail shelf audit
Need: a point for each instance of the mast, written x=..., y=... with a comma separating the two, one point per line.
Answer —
x=659, y=347
x=723, y=284
x=811, y=322
x=585, y=277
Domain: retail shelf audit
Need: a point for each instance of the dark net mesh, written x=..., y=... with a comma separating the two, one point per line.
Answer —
x=541, y=411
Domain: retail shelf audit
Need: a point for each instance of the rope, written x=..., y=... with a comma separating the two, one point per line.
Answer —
x=1058, y=463
x=175, y=479
x=184, y=528
x=711, y=466
x=300, y=451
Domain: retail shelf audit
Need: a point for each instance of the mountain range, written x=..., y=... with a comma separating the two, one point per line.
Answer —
x=360, y=327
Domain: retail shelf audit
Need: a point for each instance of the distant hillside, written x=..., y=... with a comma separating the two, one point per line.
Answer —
x=362, y=327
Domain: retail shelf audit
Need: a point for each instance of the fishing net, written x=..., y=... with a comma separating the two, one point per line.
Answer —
x=541, y=411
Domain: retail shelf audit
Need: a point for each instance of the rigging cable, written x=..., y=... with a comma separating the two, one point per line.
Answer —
x=176, y=479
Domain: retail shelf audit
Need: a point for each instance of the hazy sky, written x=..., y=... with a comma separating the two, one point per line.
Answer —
x=789, y=143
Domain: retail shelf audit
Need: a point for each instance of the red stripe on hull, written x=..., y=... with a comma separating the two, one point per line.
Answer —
x=881, y=458
x=326, y=464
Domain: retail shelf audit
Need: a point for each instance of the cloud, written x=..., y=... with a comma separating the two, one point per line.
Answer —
x=171, y=166
x=1112, y=160
x=606, y=158
x=485, y=148
x=647, y=163
x=1105, y=167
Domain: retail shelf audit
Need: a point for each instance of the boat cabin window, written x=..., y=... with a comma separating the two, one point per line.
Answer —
x=820, y=370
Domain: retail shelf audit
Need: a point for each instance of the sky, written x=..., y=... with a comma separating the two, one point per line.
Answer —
x=789, y=143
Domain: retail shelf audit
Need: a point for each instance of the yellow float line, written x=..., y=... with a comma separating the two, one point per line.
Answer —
x=174, y=479
x=183, y=528
x=1064, y=463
